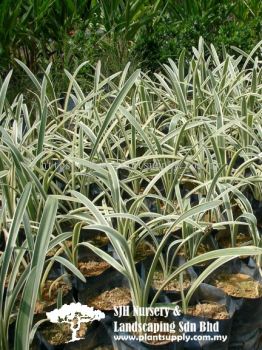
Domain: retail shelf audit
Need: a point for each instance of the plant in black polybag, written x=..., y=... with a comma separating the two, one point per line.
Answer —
x=125, y=264
x=243, y=283
x=207, y=319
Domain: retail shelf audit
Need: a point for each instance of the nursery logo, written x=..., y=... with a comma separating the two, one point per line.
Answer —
x=163, y=331
x=75, y=314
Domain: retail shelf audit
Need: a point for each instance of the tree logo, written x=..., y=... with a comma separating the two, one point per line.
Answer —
x=75, y=314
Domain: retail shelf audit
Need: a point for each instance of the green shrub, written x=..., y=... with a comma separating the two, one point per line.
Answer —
x=144, y=32
x=220, y=26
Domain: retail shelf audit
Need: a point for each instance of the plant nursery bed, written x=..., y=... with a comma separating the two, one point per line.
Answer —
x=135, y=177
x=202, y=248
x=109, y=299
x=224, y=240
x=209, y=310
x=174, y=284
x=58, y=337
x=143, y=250
x=49, y=297
x=93, y=268
x=57, y=334
x=238, y=285
x=212, y=305
x=99, y=239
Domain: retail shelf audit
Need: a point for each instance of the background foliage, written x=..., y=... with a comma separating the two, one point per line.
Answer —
x=168, y=159
x=144, y=32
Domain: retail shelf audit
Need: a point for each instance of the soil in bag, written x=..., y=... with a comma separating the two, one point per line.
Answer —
x=173, y=289
x=244, y=284
x=58, y=336
x=207, y=322
x=93, y=268
x=97, y=238
x=111, y=291
x=50, y=293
